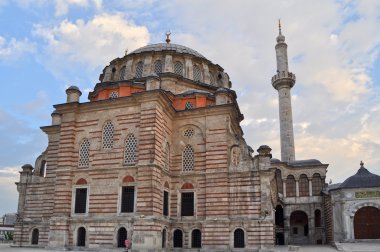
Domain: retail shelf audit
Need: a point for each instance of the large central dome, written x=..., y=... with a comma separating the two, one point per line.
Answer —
x=168, y=47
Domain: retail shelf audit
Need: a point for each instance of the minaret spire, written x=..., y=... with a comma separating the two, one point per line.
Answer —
x=283, y=81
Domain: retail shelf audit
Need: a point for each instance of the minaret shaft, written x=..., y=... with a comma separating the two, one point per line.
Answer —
x=283, y=81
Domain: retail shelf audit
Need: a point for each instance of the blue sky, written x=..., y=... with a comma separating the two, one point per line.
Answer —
x=333, y=47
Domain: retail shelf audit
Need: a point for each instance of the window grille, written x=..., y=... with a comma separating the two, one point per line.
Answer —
x=188, y=159
x=158, y=67
x=127, y=199
x=235, y=155
x=130, y=156
x=121, y=237
x=317, y=218
x=80, y=200
x=303, y=185
x=108, y=135
x=239, y=238
x=84, y=153
x=212, y=79
x=177, y=239
x=178, y=68
x=189, y=132
x=122, y=73
x=316, y=184
x=114, y=95
x=164, y=238
x=196, y=238
x=165, y=211
x=196, y=73
x=35, y=236
x=290, y=186
x=139, y=69
x=187, y=204
x=81, y=237
x=167, y=157
x=189, y=105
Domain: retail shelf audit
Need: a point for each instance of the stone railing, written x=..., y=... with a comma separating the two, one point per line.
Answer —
x=284, y=75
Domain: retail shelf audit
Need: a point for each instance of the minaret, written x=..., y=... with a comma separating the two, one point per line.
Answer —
x=283, y=81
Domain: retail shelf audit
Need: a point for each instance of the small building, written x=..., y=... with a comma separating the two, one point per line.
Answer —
x=355, y=207
x=7, y=226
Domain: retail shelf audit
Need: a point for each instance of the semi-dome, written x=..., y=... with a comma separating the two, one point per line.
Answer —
x=363, y=178
x=168, y=47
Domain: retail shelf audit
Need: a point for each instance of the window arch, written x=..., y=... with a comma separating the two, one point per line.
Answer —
x=317, y=218
x=316, y=184
x=280, y=188
x=113, y=74
x=290, y=186
x=108, y=131
x=303, y=185
x=35, y=236
x=178, y=68
x=197, y=73
x=130, y=155
x=196, y=238
x=188, y=159
x=177, y=239
x=167, y=156
x=84, y=153
x=122, y=73
x=81, y=237
x=239, y=238
x=139, y=69
x=121, y=237
x=158, y=67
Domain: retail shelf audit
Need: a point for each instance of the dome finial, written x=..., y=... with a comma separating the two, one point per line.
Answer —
x=361, y=164
x=167, y=36
x=126, y=51
x=279, y=26
x=280, y=38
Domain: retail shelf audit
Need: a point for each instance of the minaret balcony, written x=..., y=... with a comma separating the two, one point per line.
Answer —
x=283, y=78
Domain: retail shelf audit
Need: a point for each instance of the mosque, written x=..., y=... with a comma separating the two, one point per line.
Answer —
x=157, y=156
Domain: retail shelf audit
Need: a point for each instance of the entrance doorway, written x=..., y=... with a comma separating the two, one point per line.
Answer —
x=367, y=223
x=299, y=228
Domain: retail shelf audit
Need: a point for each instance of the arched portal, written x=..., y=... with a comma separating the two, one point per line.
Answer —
x=279, y=221
x=299, y=228
x=35, y=236
x=81, y=237
x=367, y=223
x=121, y=237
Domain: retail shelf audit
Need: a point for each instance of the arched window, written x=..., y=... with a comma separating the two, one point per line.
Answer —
x=189, y=105
x=178, y=68
x=122, y=73
x=196, y=238
x=113, y=74
x=114, y=95
x=43, y=168
x=279, y=181
x=158, y=67
x=188, y=159
x=290, y=186
x=139, y=69
x=317, y=218
x=130, y=156
x=239, y=238
x=81, y=237
x=163, y=238
x=35, y=236
x=212, y=79
x=177, y=239
x=303, y=185
x=317, y=184
x=108, y=130
x=121, y=237
x=235, y=155
x=196, y=73
x=84, y=153
x=167, y=156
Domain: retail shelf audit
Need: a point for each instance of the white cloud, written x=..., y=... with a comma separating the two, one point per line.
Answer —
x=90, y=44
x=12, y=49
x=8, y=189
x=62, y=6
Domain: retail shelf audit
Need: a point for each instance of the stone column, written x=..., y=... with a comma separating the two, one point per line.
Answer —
x=284, y=187
x=310, y=188
x=168, y=64
x=188, y=68
x=297, y=188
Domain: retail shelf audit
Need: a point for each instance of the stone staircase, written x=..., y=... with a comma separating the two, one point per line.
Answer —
x=299, y=240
